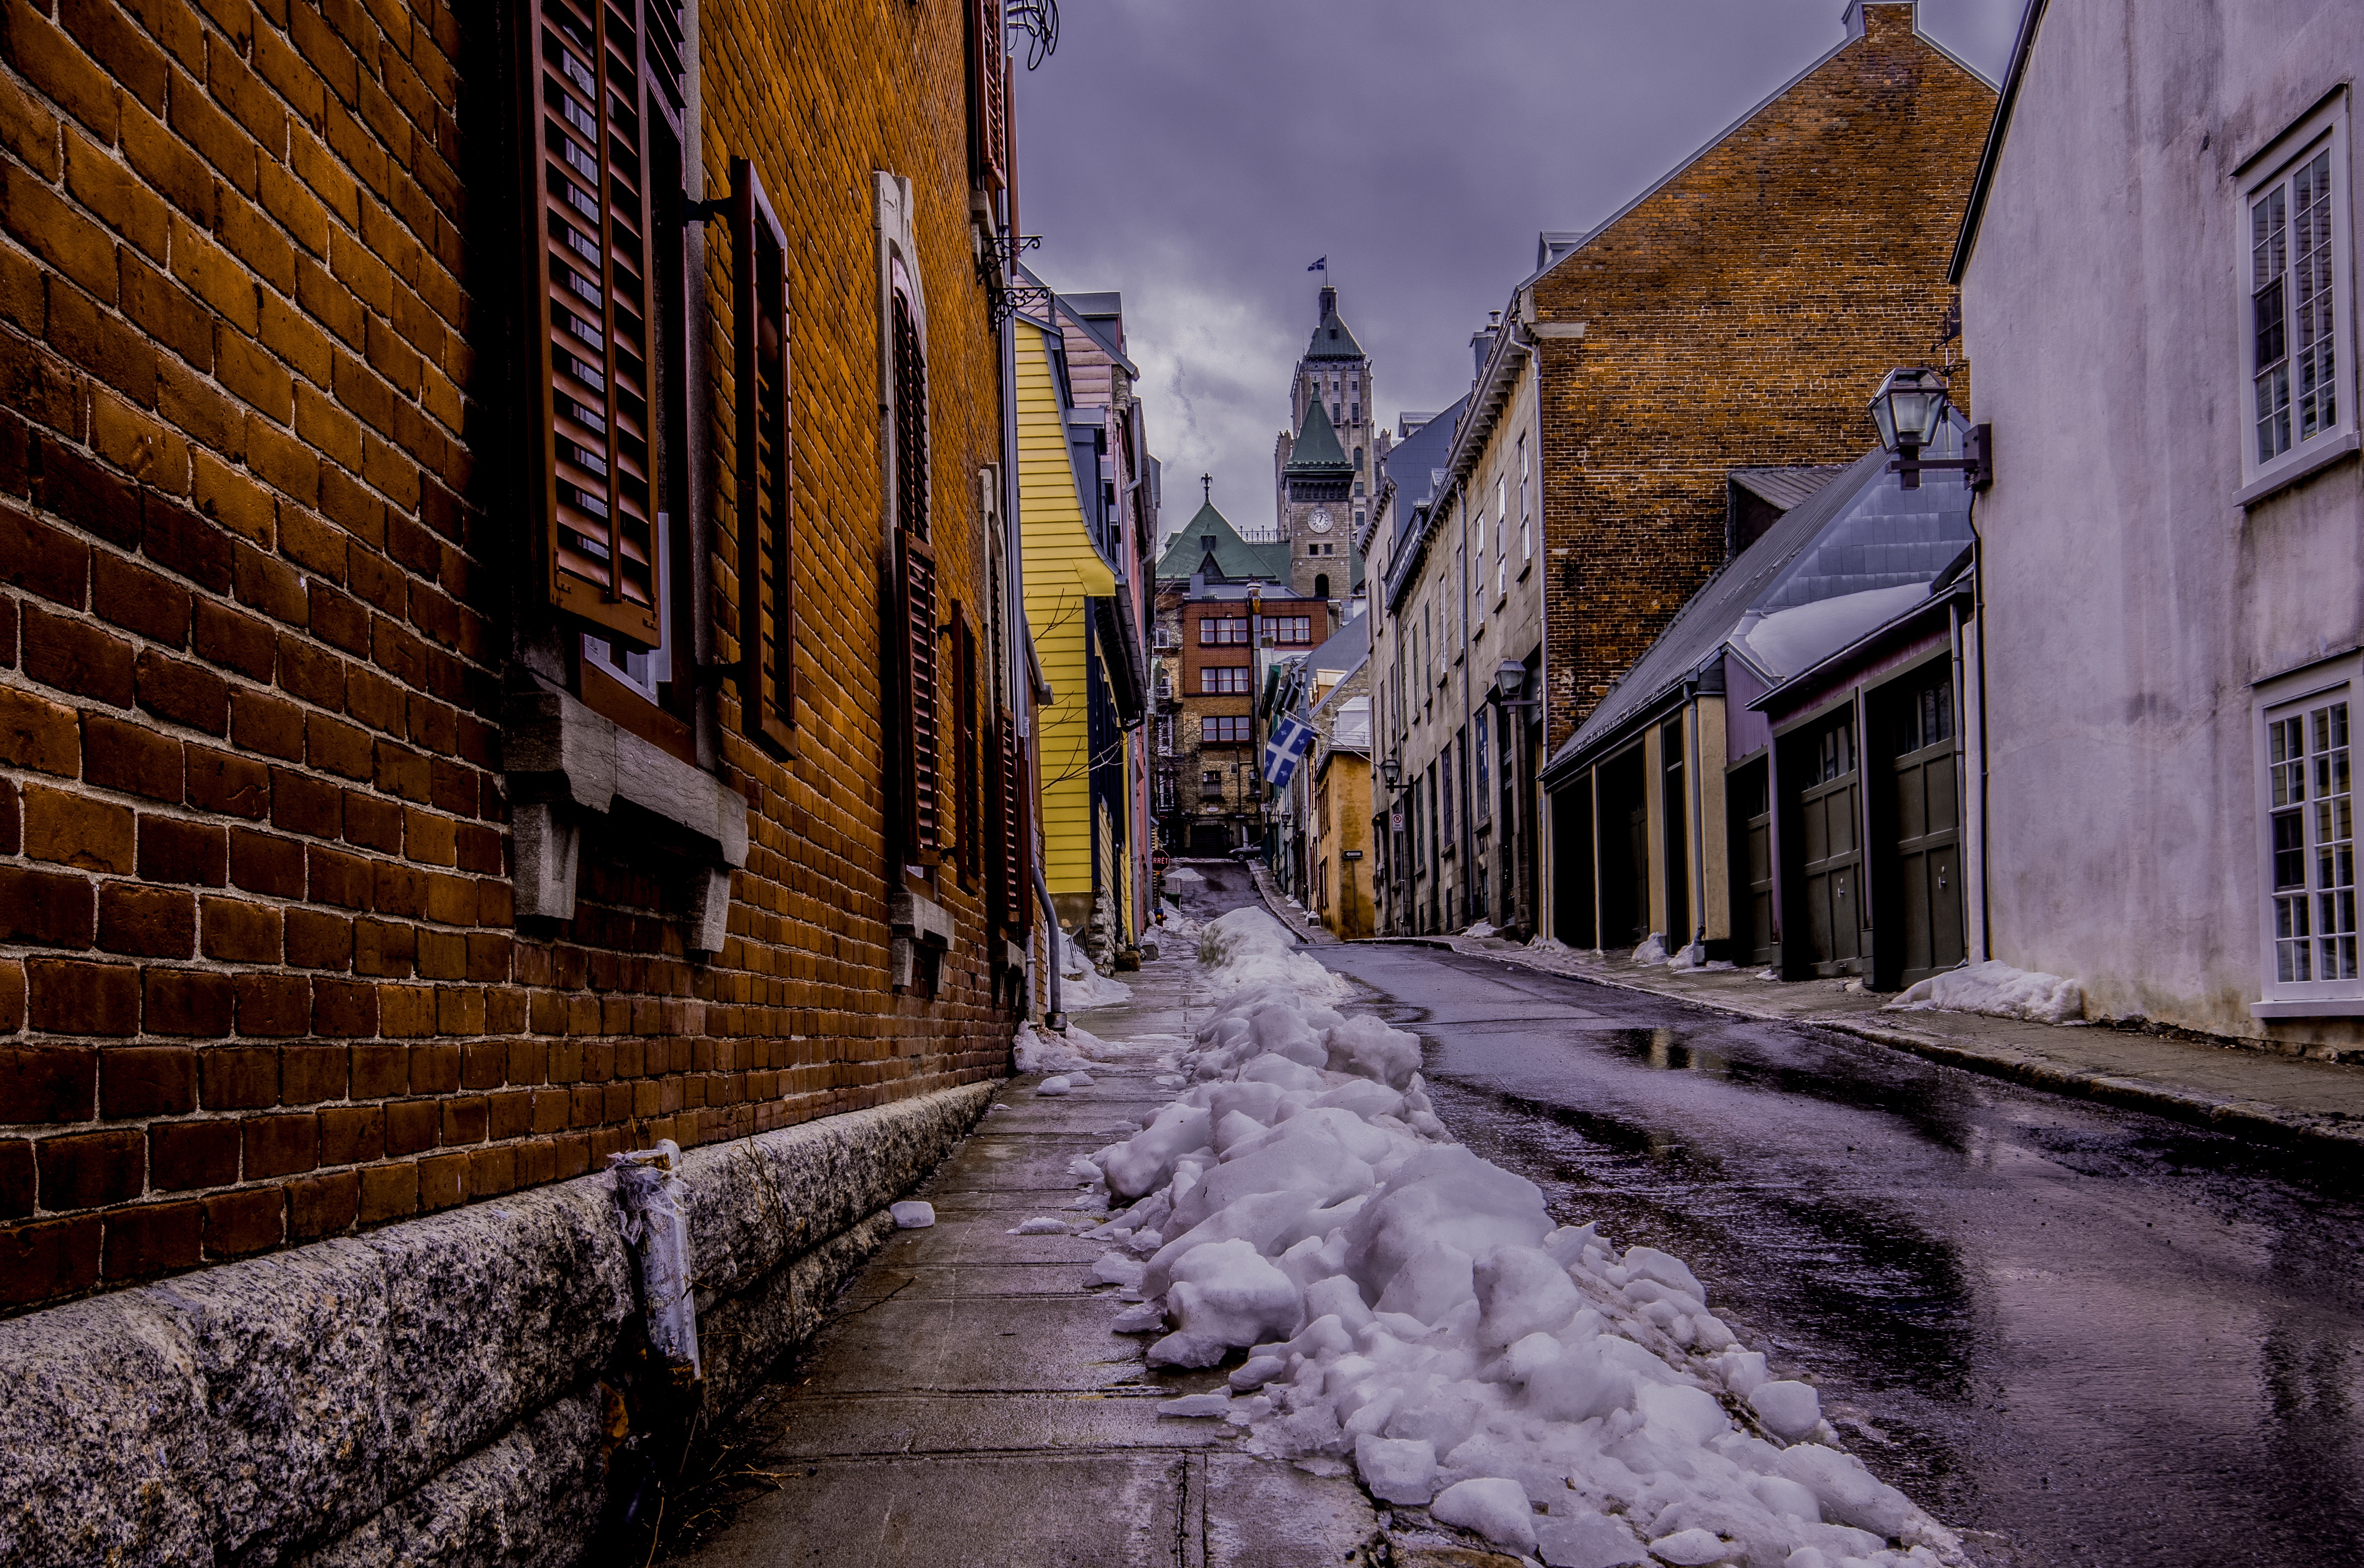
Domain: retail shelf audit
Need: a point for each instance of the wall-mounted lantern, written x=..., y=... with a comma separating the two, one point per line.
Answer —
x=1909, y=411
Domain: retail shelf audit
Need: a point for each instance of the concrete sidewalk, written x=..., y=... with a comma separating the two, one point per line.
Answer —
x=2311, y=1105
x=969, y=1404
x=1295, y=916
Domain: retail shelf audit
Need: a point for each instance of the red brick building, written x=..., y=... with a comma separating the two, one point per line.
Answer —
x=1739, y=312
x=503, y=663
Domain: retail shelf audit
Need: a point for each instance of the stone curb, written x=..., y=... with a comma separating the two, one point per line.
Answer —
x=421, y=1392
x=2258, y=1121
x=1301, y=927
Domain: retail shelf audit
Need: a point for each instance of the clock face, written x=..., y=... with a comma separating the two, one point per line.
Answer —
x=1319, y=522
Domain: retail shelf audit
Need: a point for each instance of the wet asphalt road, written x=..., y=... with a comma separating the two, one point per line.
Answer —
x=2090, y=1336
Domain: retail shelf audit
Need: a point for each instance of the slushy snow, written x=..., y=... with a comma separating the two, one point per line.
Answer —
x=1388, y=1299
x=1996, y=989
x=1082, y=987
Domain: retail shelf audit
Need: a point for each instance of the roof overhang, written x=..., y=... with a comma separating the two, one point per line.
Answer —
x=1805, y=687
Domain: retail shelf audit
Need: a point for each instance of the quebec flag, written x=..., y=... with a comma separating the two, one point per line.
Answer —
x=1290, y=737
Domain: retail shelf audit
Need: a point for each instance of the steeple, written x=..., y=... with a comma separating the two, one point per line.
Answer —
x=1316, y=454
x=1331, y=341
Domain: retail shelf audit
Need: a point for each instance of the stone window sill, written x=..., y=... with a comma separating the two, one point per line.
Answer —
x=565, y=766
x=2311, y=1007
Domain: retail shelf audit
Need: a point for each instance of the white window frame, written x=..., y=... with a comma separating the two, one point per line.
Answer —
x=2325, y=128
x=2301, y=693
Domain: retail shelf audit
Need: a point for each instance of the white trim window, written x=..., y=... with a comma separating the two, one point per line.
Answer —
x=2311, y=960
x=2297, y=302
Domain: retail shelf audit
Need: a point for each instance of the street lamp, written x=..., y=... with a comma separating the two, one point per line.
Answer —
x=1510, y=680
x=1909, y=411
x=1392, y=773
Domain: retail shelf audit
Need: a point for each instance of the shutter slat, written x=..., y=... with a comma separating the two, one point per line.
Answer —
x=921, y=692
x=990, y=92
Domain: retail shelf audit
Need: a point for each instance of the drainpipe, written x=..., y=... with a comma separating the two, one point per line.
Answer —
x=652, y=1211
x=1053, y=1018
x=1698, y=845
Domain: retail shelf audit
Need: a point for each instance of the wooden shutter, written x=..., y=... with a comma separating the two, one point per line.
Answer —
x=916, y=560
x=585, y=76
x=969, y=830
x=1010, y=825
x=767, y=604
x=923, y=781
x=988, y=65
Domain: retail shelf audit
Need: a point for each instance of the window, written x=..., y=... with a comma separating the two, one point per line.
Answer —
x=1291, y=629
x=1322, y=585
x=1223, y=631
x=1482, y=808
x=1358, y=460
x=1526, y=508
x=1210, y=784
x=1927, y=718
x=1223, y=729
x=2313, y=844
x=1165, y=789
x=2294, y=265
x=1224, y=680
x=1166, y=734
x=1834, y=754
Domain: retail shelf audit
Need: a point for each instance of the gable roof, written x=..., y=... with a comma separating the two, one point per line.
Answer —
x=1233, y=558
x=1331, y=341
x=1555, y=245
x=1316, y=450
x=1787, y=487
x=1847, y=558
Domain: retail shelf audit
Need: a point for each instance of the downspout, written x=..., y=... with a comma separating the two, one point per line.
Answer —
x=1986, y=837
x=1054, y=1015
x=1699, y=821
x=1599, y=937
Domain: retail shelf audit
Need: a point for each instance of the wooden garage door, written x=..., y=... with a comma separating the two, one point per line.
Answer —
x=1927, y=817
x=1829, y=806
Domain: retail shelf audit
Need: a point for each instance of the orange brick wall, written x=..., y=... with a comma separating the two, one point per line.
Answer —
x=1742, y=314
x=258, y=976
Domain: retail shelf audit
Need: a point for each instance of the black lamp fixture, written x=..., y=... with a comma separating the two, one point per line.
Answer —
x=1391, y=771
x=1909, y=411
x=1510, y=680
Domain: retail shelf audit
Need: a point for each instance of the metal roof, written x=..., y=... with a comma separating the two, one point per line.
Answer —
x=1860, y=537
x=1787, y=487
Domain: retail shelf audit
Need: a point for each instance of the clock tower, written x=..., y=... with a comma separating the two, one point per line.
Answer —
x=1323, y=464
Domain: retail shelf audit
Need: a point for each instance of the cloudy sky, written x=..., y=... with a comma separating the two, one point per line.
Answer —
x=1196, y=154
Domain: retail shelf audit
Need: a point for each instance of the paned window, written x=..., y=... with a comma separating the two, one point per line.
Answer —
x=2313, y=844
x=1834, y=755
x=1526, y=506
x=1166, y=734
x=1291, y=629
x=1224, y=680
x=1223, y=631
x=2294, y=273
x=1927, y=718
x=1223, y=729
x=1164, y=790
x=1210, y=784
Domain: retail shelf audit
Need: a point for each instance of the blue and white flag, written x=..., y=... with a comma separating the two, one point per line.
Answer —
x=1321, y=266
x=1282, y=751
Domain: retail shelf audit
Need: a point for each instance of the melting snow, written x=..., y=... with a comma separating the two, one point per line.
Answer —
x=1409, y=1307
x=1996, y=988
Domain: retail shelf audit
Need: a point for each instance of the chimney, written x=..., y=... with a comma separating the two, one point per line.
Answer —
x=1329, y=304
x=1481, y=343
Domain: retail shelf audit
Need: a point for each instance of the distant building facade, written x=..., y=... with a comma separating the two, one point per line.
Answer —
x=1322, y=464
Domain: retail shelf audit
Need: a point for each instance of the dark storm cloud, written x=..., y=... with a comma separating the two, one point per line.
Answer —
x=1196, y=154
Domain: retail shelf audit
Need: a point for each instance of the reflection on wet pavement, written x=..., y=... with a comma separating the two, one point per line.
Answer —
x=2089, y=1335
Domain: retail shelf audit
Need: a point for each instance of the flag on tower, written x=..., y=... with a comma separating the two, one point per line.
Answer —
x=1283, y=750
x=1321, y=266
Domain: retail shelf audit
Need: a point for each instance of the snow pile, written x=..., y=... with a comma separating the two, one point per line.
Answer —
x=1038, y=1051
x=1184, y=874
x=1996, y=989
x=1651, y=951
x=1409, y=1307
x=1178, y=924
x=1482, y=928
x=1082, y=987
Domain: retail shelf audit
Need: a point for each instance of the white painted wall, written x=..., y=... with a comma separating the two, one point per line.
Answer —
x=2131, y=601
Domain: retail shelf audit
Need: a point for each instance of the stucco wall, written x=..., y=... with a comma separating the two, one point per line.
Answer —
x=2131, y=601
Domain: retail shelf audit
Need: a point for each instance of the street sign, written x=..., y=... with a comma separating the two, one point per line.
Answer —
x=1350, y=854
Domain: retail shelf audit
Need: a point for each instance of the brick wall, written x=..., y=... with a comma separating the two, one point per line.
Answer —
x=260, y=979
x=1741, y=315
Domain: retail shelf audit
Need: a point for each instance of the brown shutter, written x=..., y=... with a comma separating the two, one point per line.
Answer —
x=586, y=107
x=916, y=561
x=989, y=63
x=969, y=831
x=767, y=606
x=924, y=784
x=1010, y=820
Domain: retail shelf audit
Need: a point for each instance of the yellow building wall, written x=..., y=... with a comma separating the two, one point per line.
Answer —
x=1062, y=572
